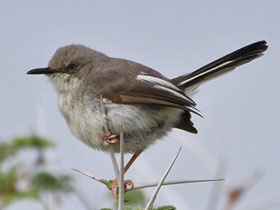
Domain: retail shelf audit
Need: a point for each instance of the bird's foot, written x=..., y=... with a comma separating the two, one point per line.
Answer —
x=110, y=139
x=128, y=185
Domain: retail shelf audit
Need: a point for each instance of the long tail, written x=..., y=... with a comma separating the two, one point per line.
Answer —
x=220, y=66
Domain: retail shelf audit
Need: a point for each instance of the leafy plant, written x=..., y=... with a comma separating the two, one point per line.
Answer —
x=36, y=181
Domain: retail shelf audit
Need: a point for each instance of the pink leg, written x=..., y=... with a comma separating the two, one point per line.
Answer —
x=132, y=159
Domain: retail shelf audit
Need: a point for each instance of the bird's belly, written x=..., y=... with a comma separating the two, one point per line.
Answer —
x=142, y=125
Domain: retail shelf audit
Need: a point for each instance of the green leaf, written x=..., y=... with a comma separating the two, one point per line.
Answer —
x=31, y=142
x=8, y=187
x=12, y=176
x=8, y=181
x=10, y=198
x=5, y=151
x=48, y=182
x=135, y=198
x=128, y=208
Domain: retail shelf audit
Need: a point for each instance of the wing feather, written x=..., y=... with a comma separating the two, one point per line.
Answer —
x=131, y=86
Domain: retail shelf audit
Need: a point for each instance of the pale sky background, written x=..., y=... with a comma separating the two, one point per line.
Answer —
x=241, y=110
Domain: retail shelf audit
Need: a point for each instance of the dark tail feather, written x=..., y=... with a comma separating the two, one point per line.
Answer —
x=222, y=65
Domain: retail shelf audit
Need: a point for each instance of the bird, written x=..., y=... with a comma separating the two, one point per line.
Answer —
x=144, y=102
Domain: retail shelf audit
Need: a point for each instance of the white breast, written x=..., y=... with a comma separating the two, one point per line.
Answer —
x=142, y=125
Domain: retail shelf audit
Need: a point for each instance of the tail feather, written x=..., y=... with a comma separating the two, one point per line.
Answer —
x=220, y=66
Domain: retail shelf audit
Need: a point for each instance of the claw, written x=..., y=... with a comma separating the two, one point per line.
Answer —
x=110, y=139
x=128, y=185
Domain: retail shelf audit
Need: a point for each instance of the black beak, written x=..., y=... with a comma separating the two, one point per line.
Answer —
x=43, y=71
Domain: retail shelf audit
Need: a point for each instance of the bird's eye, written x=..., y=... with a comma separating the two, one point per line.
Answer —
x=72, y=66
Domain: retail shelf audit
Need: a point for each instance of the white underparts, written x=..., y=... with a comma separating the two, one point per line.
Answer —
x=64, y=82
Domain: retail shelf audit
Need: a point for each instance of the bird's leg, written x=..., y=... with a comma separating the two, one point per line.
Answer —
x=128, y=184
x=110, y=139
x=132, y=160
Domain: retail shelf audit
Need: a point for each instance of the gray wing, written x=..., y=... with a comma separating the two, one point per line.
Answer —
x=127, y=82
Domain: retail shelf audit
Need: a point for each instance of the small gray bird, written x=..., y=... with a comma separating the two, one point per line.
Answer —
x=146, y=103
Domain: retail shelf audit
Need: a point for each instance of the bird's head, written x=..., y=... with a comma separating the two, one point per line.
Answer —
x=69, y=66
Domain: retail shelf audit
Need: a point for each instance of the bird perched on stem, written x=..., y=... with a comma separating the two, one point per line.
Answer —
x=146, y=103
